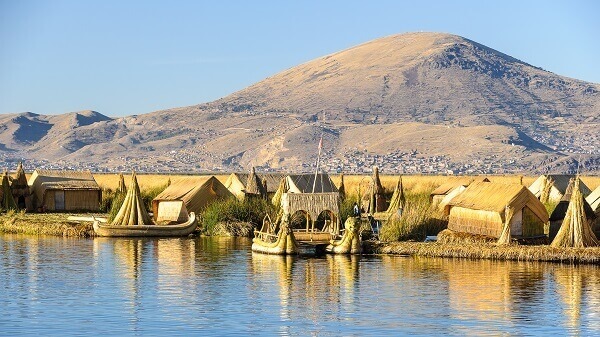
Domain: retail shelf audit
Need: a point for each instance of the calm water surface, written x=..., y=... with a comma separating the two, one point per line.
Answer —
x=217, y=286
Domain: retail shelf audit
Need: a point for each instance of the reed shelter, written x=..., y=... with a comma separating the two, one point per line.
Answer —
x=483, y=207
x=552, y=187
x=196, y=193
x=64, y=191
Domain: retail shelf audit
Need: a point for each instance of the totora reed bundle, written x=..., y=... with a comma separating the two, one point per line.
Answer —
x=575, y=230
x=133, y=211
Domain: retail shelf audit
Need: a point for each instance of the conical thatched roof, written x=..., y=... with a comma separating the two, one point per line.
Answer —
x=20, y=180
x=8, y=202
x=576, y=230
x=133, y=211
x=254, y=185
x=121, y=188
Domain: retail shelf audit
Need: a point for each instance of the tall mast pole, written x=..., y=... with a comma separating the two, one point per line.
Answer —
x=318, y=162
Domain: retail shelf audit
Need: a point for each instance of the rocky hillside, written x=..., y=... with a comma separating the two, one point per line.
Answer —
x=418, y=102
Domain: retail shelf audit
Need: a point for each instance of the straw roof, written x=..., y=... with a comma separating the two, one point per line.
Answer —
x=303, y=183
x=576, y=230
x=488, y=196
x=195, y=192
x=133, y=211
x=556, y=184
x=594, y=199
x=446, y=187
x=272, y=180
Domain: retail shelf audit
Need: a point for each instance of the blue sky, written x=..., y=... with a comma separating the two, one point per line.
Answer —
x=131, y=57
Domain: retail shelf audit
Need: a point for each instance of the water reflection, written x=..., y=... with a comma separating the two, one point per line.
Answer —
x=217, y=286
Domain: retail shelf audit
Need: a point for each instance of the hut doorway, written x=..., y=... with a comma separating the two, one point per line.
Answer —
x=59, y=200
x=300, y=221
x=516, y=224
x=21, y=202
x=325, y=221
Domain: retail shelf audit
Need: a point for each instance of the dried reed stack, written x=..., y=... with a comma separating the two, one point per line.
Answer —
x=545, y=195
x=133, y=211
x=254, y=186
x=504, y=238
x=121, y=188
x=8, y=202
x=342, y=188
x=575, y=231
x=398, y=199
x=377, y=203
x=280, y=190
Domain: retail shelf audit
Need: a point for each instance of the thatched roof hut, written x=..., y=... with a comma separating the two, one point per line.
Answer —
x=594, y=200
x=453, y=187
x=576, y=229
x=304, y=183
x=195, y=192
x=236, y=183
x=481, y=209
x=552, y=187
x=133, y=210
x=254, y=186
x=560, y=211
x=65, y=191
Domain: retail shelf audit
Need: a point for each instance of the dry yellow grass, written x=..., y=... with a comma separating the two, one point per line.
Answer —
x=146, y=181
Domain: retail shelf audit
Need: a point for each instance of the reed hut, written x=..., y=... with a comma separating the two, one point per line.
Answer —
x=560, y=211
x=552, y=187
x=594, y=200
x=576, y=228
x=314, y=196
x=195, y=192
x=64, y=191
x=452, y=188
x=481, y=209
x=254, y=186
x=20, y=189
x=236, y=183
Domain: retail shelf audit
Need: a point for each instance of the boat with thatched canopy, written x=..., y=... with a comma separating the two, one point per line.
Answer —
x=133, y=219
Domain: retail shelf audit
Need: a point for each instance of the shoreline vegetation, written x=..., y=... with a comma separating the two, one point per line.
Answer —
x=401, y=237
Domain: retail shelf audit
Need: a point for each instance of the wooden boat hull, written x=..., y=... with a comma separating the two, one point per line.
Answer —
x=183, y=229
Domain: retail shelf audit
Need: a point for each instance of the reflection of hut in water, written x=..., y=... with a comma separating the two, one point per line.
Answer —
x=570, y=281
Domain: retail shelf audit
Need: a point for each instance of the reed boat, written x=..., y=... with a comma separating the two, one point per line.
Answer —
x=267, y=242
x=154, y=230
x=350, y=241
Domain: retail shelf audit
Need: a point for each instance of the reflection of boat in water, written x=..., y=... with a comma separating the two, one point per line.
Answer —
x=133, y=219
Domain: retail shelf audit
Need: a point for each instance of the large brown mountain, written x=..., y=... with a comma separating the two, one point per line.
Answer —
x=418, y=102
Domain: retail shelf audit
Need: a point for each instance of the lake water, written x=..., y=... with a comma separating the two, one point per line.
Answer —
x=217, y=286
